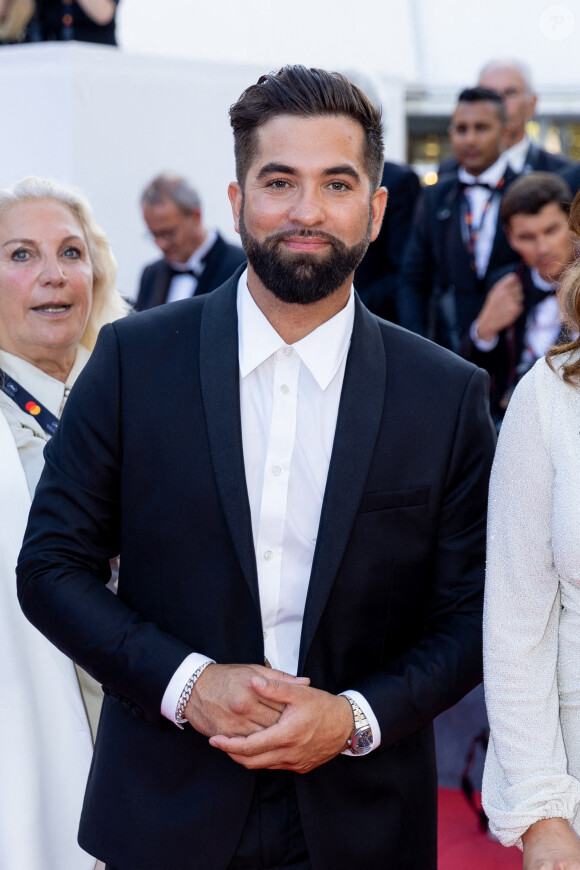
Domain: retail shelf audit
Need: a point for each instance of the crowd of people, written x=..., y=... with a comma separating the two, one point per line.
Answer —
x=58, y=20
x=296, y=491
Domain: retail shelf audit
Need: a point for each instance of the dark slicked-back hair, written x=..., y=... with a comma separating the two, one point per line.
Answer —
x=484, y=95
x=530, y=193
x=305, y=93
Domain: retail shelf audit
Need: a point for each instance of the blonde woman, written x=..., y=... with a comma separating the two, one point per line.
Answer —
x=531, y=788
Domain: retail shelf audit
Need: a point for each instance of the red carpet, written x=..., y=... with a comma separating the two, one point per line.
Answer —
x=462, y=844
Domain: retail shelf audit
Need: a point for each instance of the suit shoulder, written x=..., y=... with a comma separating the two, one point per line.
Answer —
x=422, y=358
x=154, y=266
x=163, y=320
x=396, y=174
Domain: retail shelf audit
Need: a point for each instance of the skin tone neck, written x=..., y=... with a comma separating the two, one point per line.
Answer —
x=291, y=321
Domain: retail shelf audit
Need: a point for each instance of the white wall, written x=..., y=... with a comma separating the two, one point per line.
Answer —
x=108, y=122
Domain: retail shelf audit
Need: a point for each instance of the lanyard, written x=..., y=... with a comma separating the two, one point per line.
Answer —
x=473, y=231
x=27, y=403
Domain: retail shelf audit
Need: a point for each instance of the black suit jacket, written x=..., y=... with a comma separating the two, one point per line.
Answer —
x=572, y=176
x=504, y=362
x=377, y=277
x=221, y=262
x=440, y=295
x=537, y=160
x=148, y=462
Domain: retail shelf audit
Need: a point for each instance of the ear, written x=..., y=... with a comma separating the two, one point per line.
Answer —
x=235, y=195
x=378, y=206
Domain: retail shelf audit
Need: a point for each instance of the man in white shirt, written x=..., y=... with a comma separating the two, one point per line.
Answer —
x=195, y=259
x=520, y=318
x=297, y=490
x=457, y=238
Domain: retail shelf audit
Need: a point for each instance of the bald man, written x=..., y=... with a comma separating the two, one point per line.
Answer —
x=512, y=81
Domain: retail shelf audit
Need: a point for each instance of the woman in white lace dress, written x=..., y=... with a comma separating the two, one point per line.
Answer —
x=531, y=787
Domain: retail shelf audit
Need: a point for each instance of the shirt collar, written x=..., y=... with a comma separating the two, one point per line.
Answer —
x=516, y=155
x=540, y=282
x=322, y=350
x=45, y=389
x=492, y=175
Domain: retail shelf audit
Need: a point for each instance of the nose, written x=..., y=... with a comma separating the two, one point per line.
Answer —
x=53, y=272
x=307, y=208
x=542, y=246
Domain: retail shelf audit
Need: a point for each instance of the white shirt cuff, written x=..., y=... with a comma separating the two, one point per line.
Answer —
x=177, y=684
x=371, y=718
x=484, y=346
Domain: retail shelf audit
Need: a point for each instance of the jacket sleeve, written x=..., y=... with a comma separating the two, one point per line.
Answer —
x=74, y=529
x=445, y=662
x=417, y=272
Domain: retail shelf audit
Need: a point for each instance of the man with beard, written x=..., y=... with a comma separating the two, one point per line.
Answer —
x=297, y=490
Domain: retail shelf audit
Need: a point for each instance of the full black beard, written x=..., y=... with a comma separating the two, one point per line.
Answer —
x=302, y=278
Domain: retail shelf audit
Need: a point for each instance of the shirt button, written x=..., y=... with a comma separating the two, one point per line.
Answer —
x=268, y=555
x=284, y=389
x=287, y=351
x=276, y=470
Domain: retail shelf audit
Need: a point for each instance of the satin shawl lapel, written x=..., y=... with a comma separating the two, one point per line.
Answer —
x=359, y=417
x=219, y=372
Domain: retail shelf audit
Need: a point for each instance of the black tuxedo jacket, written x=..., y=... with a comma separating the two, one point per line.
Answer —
x=148, y=462
x=377, y=277
x=221, y=262
x=572, y=176
x=503, y=363
x=537, y=160
x=440, y=294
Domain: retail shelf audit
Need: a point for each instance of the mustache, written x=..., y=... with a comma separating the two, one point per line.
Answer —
x=281, y=236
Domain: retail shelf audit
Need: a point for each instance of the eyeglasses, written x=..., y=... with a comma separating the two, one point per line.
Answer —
x=163, y=235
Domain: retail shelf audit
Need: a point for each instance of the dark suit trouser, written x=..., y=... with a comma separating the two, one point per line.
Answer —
x=272, y=838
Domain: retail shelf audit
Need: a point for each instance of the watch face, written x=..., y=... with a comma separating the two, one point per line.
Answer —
x=362, y=742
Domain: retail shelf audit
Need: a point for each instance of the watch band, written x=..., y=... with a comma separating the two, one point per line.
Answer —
x=360, y=741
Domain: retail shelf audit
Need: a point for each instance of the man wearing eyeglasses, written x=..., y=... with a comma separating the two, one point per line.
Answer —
x=195, y=259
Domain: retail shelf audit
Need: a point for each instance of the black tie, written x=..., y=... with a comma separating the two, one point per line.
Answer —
x=464, y=184
x=174, y=272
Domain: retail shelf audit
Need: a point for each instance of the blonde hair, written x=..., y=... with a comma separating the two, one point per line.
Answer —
x=15, y=21
x=107, y=305
x=569, y=298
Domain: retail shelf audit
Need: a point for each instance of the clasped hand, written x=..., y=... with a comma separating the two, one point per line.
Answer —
x=263, y=718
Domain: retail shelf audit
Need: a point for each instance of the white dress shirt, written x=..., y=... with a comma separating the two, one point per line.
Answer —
x=484, y=222
x=289, y=398
x=184, y=286
x=517, y=155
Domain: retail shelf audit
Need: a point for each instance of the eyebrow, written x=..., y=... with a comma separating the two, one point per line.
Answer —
x=284, y=169
x=20, y=241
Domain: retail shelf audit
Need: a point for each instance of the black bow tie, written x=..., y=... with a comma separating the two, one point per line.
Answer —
x=464, y=184
x=173, y=272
